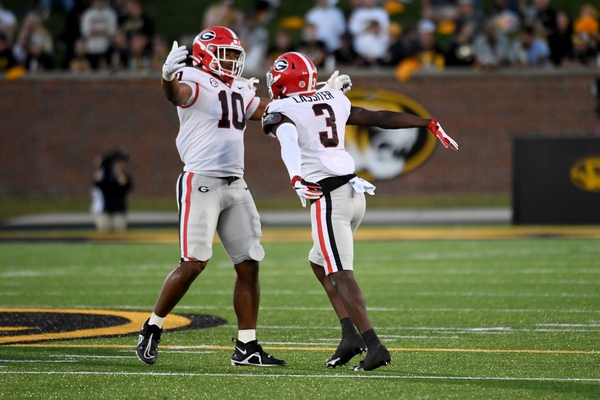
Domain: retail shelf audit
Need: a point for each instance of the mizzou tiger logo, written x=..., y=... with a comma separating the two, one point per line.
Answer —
x=27, y=325
x=387, y=153
x=585, y=174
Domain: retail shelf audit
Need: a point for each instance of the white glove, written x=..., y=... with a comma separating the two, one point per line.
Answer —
x=174, y=62
x=342, y=83
x=250, y=82
x=437, y=130
x=306, y=190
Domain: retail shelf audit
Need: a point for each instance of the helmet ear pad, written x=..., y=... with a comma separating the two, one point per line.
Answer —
x=210, y=50
x=292, y=74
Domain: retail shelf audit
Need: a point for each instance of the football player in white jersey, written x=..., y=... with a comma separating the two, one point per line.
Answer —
x=310, y=126
x=213, y=103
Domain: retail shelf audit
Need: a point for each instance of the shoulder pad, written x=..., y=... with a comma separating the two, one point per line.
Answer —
x=270, y=120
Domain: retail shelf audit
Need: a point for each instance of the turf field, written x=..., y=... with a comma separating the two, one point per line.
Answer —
x=463, y=319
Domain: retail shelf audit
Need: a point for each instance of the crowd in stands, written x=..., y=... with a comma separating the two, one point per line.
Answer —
x=98, y=35
x=118, y=35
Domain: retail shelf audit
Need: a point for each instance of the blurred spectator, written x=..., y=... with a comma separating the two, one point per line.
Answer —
x=72, y=30
x=255, y=39
x=543, y=18
x=354, y=5
x=38, y=59
x=428, y=56
x=136, y=21
x=461, y=52
x=560, y=42
x=281, y=44
x=109, y=200
x=224, y=13
x=506, y=15
x=7, y=59
x=8, y=23
x=33, y=33
x=47, y=6
x=268, y=8
x=98, y=26
x=118, y=54
x=429, y=52
x=311, y=46
x=346, y=55
x=513, y=6
x=585, y=52
x=160, y=50
x=439, y=10
x=120, y=7
x=406, y=44
x=139, y=56
x=492, y=48
x=79, y=62
x=372, y=43
x=528, y=50
x=467, y=15
x=369, y=26
x=329, y=22
x=587, y=22
x=395, y=43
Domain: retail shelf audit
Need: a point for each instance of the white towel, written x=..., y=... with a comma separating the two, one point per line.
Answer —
x=361, y=186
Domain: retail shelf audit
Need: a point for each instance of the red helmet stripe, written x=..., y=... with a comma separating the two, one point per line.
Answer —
x=309, y=66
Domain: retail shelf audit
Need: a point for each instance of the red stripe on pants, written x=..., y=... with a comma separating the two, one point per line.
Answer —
x=186, y=215
x=322, y=237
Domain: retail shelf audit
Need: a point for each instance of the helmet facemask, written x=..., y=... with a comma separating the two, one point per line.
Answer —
x=220, y=62
x=270, y=82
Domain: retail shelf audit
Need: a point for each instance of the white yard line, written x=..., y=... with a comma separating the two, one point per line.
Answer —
x=310, y=376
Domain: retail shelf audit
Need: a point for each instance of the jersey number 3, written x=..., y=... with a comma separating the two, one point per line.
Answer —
x=329, y=138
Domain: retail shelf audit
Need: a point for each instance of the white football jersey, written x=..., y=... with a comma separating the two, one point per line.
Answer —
x=212, y=124
x=321, y=123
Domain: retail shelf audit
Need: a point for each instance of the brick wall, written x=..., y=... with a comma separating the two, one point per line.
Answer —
x=51, y=128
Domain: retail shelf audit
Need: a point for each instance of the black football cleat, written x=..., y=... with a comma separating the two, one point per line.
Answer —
x=252, y=353
x=375, y=358
x=347, y=349
x=147, y=348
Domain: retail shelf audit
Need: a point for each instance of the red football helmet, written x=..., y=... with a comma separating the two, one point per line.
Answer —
x=292, y=74
x=210, y=51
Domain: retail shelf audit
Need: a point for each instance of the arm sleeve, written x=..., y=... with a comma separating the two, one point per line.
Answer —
x=290, y=151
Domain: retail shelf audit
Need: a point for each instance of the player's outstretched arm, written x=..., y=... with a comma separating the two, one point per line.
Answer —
x=385, y=119
x=174, y=92
x=398, y=120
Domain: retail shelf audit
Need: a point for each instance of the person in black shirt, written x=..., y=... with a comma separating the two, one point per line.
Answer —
x=114, y=183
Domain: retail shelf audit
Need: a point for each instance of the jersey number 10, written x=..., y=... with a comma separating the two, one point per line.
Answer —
x=238, y=111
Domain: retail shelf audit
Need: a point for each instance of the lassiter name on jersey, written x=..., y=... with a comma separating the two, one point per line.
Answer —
x=319, y=96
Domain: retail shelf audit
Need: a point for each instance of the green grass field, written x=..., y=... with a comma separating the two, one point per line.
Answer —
x=463, y=319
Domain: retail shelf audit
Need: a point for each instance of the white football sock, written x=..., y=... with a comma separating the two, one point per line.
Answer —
x=156, y=320
x=246, y=335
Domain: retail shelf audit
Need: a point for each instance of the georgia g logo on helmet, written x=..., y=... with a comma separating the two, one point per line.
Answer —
x=280, y=65
x=208, y=35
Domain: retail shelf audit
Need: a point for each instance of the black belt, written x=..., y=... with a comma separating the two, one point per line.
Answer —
x=328, y=185
x=229, y=179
